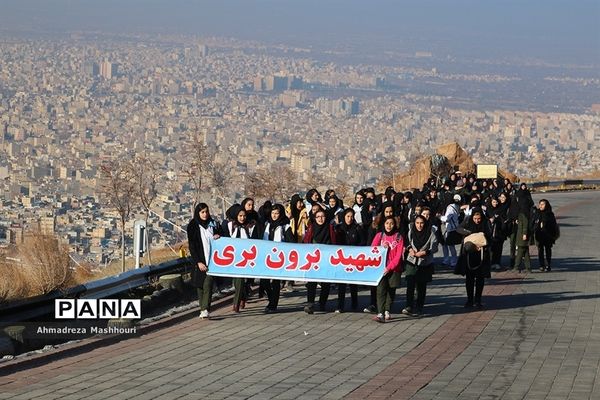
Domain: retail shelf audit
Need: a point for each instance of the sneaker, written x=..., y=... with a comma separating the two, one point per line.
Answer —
x=542, y=268
x=548, y=268
x=468, y=304
x=309, y=310
x=288, y=289
x=228, y=290
x=370, y=309
x=387, y=315
x=338, y=311
x=379, y=318
x=407, y=311
x=204, y=314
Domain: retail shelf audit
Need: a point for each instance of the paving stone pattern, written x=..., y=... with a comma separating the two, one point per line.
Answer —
x=538, y=337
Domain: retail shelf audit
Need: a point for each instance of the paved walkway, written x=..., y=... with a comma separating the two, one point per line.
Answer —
x=538, y=338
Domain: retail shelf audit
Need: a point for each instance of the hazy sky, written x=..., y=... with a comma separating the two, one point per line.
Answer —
x=552, y=30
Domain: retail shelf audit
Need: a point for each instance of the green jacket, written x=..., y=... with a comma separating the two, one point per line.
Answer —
x=523, y=229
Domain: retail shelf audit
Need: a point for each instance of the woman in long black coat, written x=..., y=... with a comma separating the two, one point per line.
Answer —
x=348, y=233
x=474, y=262
x=496, y=214
x=319, y=231
x=277, y=229
x=201, y=230
x=545, y=231
x=242, y=229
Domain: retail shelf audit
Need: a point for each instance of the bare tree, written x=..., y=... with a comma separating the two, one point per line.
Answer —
x=315, y=180
x=145, y=175
x=119, y=188
x=221, y=177
x=252, y=183
x=286, y=182
x=344, y=192
x=261, y=184
x=198, y=159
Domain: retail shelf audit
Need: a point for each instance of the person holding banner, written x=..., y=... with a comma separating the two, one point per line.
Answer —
x=242, y=229
x=422, y=245
x=391, y=239
x=348, y=233
x=201, y=230
x=376, y=227
x=277, y=229
x=319, y=231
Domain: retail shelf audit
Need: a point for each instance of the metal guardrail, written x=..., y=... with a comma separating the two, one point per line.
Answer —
x=35, y=307
x=563, y=183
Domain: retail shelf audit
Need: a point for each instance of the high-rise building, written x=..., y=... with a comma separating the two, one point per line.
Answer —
x=339, y=107
x=276, y=83
x=108, y=70
x=203, y=50
x=47, y=225
x=259, y=84
x=91, y=69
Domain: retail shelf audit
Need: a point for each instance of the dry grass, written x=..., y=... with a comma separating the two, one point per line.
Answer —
x=42, y=264
x=13, y=282
x=38, y=266
x=46, y=263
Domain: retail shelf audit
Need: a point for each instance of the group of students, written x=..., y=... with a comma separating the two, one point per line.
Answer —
x=410, y=225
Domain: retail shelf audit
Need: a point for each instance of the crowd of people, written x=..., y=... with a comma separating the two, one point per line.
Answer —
x=470, y=219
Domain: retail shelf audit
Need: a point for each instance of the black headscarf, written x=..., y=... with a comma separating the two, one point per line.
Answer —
x=321, y=233
x=472, y=227
x=197, y=219
x=350, y=234
x=309, y=195
x=367, y=216
x=547, y=216
x=232, y=212
x=264, y=212
x=502, y=208
x=419, y=239
x=294, y=210
x=524, y=201
x=274, y=224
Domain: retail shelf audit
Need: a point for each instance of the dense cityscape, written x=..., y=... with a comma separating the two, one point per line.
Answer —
x=68, y=106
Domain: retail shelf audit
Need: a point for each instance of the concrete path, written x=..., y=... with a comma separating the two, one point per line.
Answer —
x=538, y=338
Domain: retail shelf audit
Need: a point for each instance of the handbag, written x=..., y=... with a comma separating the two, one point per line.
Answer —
x=476, y=239
x=395, y=279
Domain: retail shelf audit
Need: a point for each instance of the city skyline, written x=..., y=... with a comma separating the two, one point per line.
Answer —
x=555, y=31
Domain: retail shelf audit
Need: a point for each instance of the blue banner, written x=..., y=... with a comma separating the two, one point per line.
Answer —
x=245, y=258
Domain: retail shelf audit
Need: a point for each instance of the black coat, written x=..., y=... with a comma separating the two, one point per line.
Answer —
x=481, y=258
x=197, y=252
x=545, y=227
x=350, y=236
